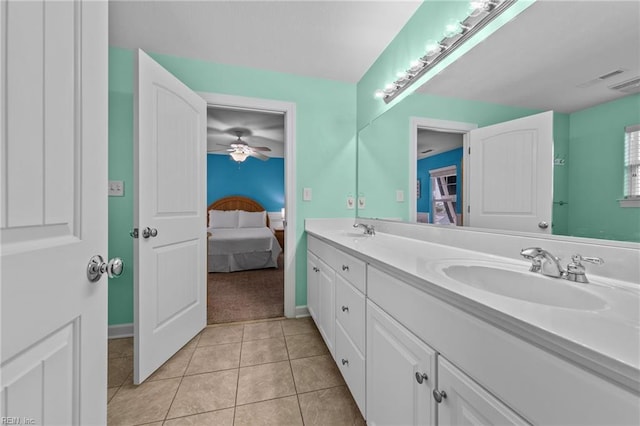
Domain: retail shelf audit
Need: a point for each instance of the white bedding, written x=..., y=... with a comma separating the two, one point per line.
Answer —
x=237, y=249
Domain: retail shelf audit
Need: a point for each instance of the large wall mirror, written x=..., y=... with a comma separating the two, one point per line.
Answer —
x=580, y=60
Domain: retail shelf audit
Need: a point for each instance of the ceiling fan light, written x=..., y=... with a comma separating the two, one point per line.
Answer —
x=239, y=156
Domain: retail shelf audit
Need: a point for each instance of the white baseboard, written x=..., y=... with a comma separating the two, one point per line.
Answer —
x=302, y=311
x=120, y=330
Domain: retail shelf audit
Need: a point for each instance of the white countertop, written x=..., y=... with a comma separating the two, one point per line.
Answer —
x=605, y=339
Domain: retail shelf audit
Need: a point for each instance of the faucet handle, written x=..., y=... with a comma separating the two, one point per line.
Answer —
x=576, y=270
x=577, y=259
x=534, y=254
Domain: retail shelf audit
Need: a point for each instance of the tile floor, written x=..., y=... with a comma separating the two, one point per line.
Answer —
x=272, y=372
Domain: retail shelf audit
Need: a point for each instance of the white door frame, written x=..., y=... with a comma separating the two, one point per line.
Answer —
x=438, y=126
x=289, y=110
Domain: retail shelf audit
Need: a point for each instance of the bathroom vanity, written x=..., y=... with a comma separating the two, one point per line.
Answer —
x=428, y=331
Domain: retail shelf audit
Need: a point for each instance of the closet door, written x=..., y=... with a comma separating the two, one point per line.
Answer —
x=53, y=193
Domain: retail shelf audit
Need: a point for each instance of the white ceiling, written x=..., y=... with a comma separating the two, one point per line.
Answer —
x=337, y=40
x=257, y=129
x=539, y=59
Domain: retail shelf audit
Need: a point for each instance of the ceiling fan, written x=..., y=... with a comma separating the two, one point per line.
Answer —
x=240, y=150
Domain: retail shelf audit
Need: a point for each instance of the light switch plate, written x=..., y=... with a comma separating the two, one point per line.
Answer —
x=351, y=203
x=361, y=202
x=400, y=195
x=306, y=194
x=116, y=188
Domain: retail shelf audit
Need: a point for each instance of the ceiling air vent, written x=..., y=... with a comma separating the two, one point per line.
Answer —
x=610, y=74
x=629, y=86
x=599, y=79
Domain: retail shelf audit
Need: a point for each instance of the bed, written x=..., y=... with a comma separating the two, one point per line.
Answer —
x=239, y=236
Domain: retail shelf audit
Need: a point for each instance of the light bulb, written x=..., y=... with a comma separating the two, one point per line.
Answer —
x=452, y=29
x=433, y=47
x=378, y=94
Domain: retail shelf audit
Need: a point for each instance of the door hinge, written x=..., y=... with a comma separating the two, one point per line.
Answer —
x=468, y=209
x=469, y=150
x=134, y=233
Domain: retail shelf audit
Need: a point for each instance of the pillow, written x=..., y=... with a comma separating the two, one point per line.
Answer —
x=223, y=219
x=252, y=219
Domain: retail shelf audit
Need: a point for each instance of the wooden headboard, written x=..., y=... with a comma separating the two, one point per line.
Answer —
x=237, y=202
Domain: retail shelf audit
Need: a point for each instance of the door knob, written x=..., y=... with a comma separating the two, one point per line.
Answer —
x=97, y=266
x=543, y=225
x=421, y=377
x=149, y=232
x=439, y=395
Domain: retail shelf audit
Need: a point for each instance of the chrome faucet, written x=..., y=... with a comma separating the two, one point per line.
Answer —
x=368, y=229
x=543, y=262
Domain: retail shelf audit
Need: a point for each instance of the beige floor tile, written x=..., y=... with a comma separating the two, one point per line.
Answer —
x=212, y=418
x=266, y=381
x=221, y=334
x=333, y=406
x=148, y=402
x=276, y=412
x=214, y=358
x=119, y=369
x=263, y=351
x=205, y=392
x=306, y=345
x=176, y=365
x=318, y=372
x=298, y=326
x=118, y=348
x=262, y=330
x=110, y=393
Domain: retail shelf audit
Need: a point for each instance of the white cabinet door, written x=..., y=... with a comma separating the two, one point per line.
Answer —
x=53, y=193
x=396, y=362
x=312, y=285
x=511, y=174
x=170, y=172
x=326, y=302
x=466, y=403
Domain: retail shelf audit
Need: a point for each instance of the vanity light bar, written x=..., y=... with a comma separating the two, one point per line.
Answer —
x=456, y=33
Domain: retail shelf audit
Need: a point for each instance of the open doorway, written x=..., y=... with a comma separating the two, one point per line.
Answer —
x=248, y=143
x=437, y=164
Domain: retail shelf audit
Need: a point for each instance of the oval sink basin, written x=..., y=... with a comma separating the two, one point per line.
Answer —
x=523, y=285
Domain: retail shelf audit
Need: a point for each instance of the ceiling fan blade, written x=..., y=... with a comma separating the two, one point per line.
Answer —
x=259, y=156
x=260, y=148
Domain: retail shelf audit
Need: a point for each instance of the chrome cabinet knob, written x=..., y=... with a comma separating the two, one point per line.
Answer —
x=149, y=232
x=345, y=309
x=421, y=377
x=345, y=267
x=97, y=266
x=345, y=361
x=439, y=395
x=316, y=269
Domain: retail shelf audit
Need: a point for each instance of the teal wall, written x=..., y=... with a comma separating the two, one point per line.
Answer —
x=425, y=165
x=325, y=149
x=595, y=170
x=259, y=180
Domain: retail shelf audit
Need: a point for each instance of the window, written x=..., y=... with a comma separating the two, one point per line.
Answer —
x=444, y=190
x=631, y=167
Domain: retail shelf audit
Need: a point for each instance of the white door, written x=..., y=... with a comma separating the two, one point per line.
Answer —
x=170, y=285
x=326, y=305
x=511, y=175
x=466, y=403
x=53, y=219
x=400, y=373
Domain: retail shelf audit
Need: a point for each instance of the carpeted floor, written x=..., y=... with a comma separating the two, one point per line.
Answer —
x=246, y=295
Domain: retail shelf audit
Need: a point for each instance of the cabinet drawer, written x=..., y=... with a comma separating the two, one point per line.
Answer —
x=351, y=364
x=350, y=312
x=352, y=269
x=349, y=267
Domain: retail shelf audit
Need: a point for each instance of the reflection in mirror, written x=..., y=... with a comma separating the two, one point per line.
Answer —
x=553, y=56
